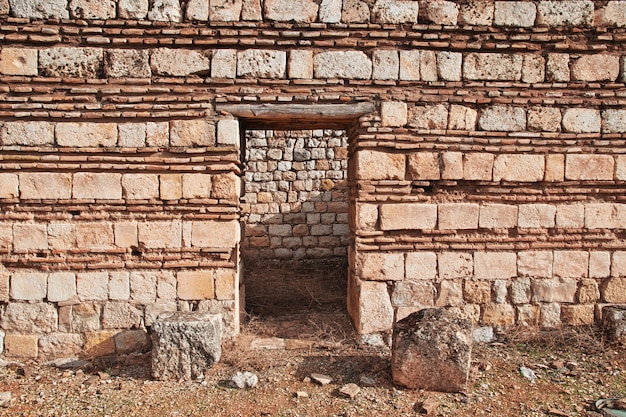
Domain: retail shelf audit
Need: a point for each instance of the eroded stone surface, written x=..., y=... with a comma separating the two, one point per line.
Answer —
x=179, y=62
x=39, y=9
x=261, y=64
x=291, y=10
x=71, y=62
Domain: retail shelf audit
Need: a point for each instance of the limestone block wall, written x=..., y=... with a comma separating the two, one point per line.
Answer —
x=489, y=178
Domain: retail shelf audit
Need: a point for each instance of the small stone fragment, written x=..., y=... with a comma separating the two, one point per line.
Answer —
x=428, y=406
x=321, y=379
x=301, y=394
x=5, y=399
x=350, y=390
x=528, y=373
x=244, y=380
x=367, y=381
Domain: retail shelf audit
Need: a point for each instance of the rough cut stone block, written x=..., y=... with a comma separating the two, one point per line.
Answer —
x=394, y=113
x=479, y=13
x=432, y=350
x=132, y=9
x=157, y=134
x=45, y=185
x=376, y=165
x=557, y=68
x=537, y=215
x=9, y=187
x=195, y=285
x=613, y=14
x=519, y=167
x=30, y=318
x=452, y=165
x=440, y=12
x=565, y=13
x=131, y=135
x=100, y=343
x=27, y=237
x=455, y=265
x=533, y=69
x=478, y=166
x=185, y=345
x=495, y=216
x=140, y=186
x=226, y=186
x=166, y=234
x=599, y=265
x=228, y=132
x=60, y=345
x=61, y=286
x=18, y=61
x=413, y=216
x=461, y=216
x=127, y=63
x=618, y=266
x=544, y=119
x=340, y=64
x=550, y=315
x=215, y=234
x=196, y=185
x=71, y=62
x=395, y=11
x=433, y=116
x=614, y=121
x=503, y=119
x=366, y=216
x=462, y=118
x=130, y=341
x=165, y=11
x=253, y=63
x=555, y=167
x=121, y=315
x=492, y=66
x=225, y=10
x=93, y=9
x=198, y=10
x=374, y=266
x=570, y=216
x=224, y=63
x=614, y=323
x=495, y=265
x=613, y=290
x=386, y=64
x=304, y=11
x=428, y=66
x=143, y=286
x=105, y=186
x=92, y=286
x=330, y=11
x=189, y=133
x=554, y=290
x=620, y=169
x=421, y=265
x=449, y=293
x=520, y=291
x=21, y=346
x=27, y=133
x=598, y=67
x=601, y=216
x=589, y=167
x=86, y=134
x=588, y=291
x=251, y=10
x=179, y=62
x=413, y=294
x=514, y=13
x=571, y=264
x=29, y=286
x=374, y=312
x=119, y=286
x=300, y=64
x=61, y=236
x=39, y=9
x=424, y=166
x=477, y=292
x=498, y=315
x=4, y=9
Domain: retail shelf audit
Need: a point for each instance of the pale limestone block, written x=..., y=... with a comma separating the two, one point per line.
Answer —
x=190, y=133
x=253, y=63
x=571, y=264
x=578, y=315
x=565, y=13
x=61, y=286
x=215, y=234
x=421, y=265
x=533, y=69
x=555, y=167
x=537, y=215
x=179, y=62
x=33, y=318
x=171, y=186
x=395, y=11
x=165, y=11
x=225, y=10
x=557, y=68
x=6, y=237
x=251, y=10
x=97, y=185
x=514, y=13
x=477, y=292
x=601, y=216
x=197, y=10
x=93, y=9
x=20, y=346
x=620, y=169
x=410, y=216
x=613, y=14
x=9, y=185
x=528, y=315
x=131, y=135
x=449, y=65
x=455, y=265
x=195, y=285
x=157, y=134
x=386, y=65
x=61, y=236
x=614, y=121
x=377, y=165
x=478, y=166
x=461, y=216
x=355, y=11
x=478, y=13
x=28, y=286
x=424, y=166
x=132, y=9
x=301, y=64
x=160, y=234
x=92, y=286
x=440, y=12
x=498, y=315
x=495, y=265
x=589, y=167
x=125, y=234
x=570, y=216
x=70, y=62
x=228, y=132
x=39, y=9
x=18, y=61
x=27, y=237
x=430, y=116
x=143, y=286
x=535, y=264
x=428, y=65
x=618, y=264
x=140, y=186
x=594, y=68
x=450, y=293
x=469, y=312
x=86, y=134
x=45, y=185
x=554, y=290
x=94, y=235
x=550, y=315
x=462, y=118
x=330, y=11
x=366, y=216
x=519, y=168
x=497, y=216
x=452, y=166
x=224, y=63
x=413, y=294
x=410, y=65
x=196, y=185
x=302, y=11
x=226, y=186
x=374, y=266
x=27, y=133
x=225, y=284
x=127, y=63
x=503, y=119
x=394, y=113
x=119, y=285
x=342, y=64
x=118, y=315
x=60, y=345
x=588, y=291
x=374, y=310
x=520, y=291
x=599, y=267
x=544, y=119
x=613, y=290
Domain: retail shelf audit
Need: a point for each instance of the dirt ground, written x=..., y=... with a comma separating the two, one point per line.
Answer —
x=573, y=368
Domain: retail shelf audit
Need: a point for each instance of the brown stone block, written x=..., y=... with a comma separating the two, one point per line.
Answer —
x=21, y=346
x=100, y=343
x=195, y=285
x=588, y=291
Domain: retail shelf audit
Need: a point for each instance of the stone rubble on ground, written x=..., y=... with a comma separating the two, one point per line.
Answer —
x=321, y=379
x=244, y=380
x=350, y=390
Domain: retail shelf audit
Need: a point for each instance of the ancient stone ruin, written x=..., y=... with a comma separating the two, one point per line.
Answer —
x=475, y=149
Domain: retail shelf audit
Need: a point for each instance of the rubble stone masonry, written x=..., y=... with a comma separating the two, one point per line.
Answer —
x=488, y=176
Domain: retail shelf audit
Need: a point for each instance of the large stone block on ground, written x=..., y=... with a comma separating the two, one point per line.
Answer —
x=185, y=345
x=431, y=350
x=614, y=323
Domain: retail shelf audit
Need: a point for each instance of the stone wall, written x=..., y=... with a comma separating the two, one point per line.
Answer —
x=489, y=178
